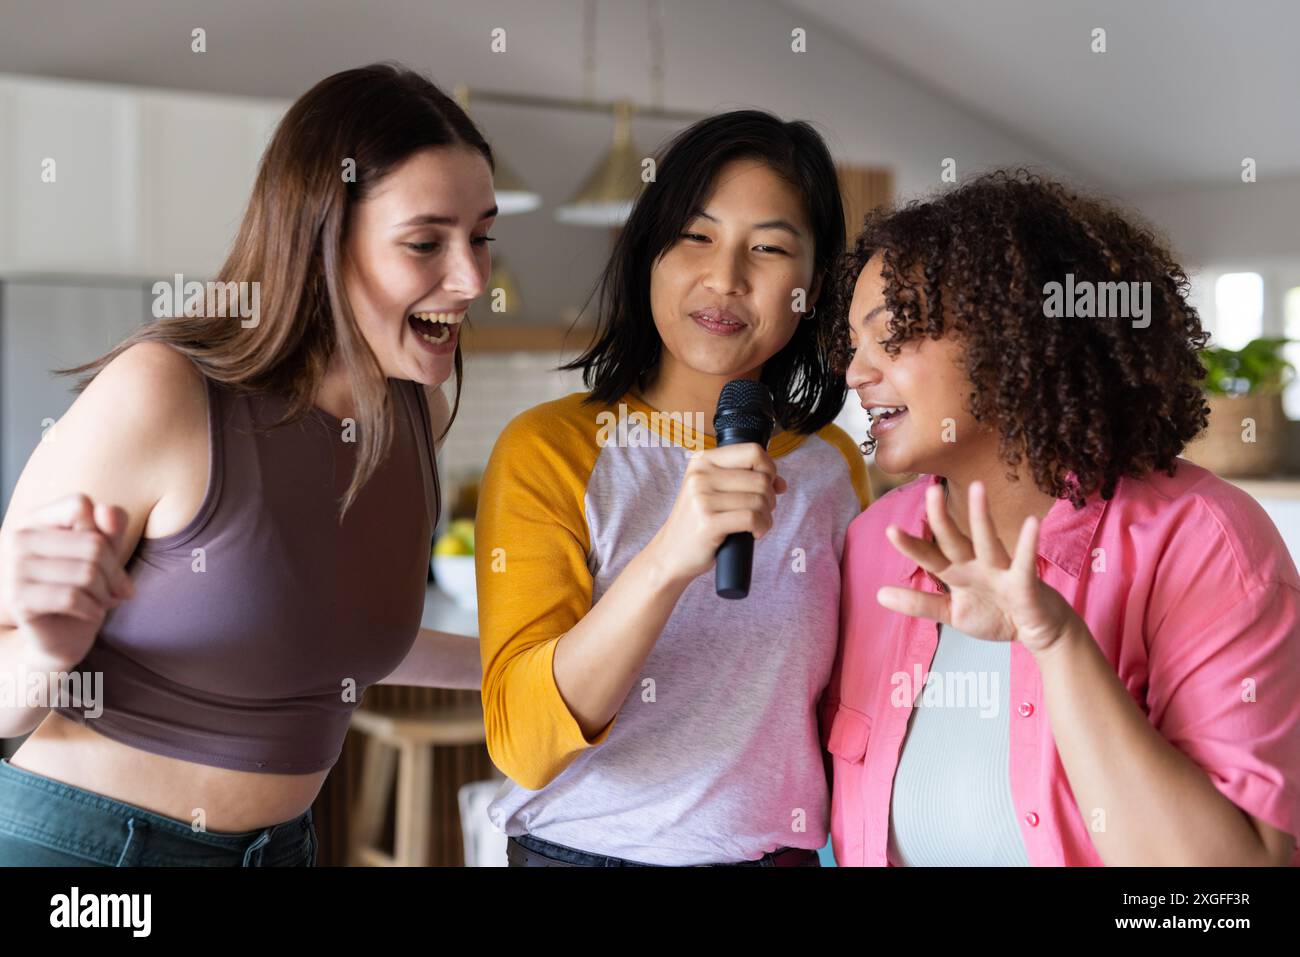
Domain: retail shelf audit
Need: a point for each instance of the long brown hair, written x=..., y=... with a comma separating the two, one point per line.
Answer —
x=291, y=241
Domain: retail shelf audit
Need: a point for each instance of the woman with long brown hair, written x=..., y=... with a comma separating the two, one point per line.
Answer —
x=231, y=525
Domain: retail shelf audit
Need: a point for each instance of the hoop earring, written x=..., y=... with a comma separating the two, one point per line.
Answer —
x=811, y=314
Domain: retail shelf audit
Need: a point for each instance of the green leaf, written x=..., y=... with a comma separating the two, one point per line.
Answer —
x=1258, y=368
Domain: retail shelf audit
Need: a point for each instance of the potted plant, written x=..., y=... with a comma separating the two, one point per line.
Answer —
x=1243, y=387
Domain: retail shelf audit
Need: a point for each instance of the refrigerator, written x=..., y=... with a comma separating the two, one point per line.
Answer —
x=48, y=323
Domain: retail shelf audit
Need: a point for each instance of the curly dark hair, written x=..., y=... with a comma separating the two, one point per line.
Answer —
x=1083, y=401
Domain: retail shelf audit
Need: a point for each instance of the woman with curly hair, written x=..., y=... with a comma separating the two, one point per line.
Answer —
x=1119, y=682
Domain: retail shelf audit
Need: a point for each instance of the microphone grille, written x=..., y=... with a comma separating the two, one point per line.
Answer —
x=744, y=403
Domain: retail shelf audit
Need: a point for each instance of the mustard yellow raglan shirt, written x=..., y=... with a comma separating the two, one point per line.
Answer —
x=570, y=494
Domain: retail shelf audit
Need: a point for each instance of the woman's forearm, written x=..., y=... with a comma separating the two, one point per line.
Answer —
x=439, y=659
x=597, y=659
x=1144, y=801
x=17, y=716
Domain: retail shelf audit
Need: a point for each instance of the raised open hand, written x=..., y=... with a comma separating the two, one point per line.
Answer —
x=990, y=594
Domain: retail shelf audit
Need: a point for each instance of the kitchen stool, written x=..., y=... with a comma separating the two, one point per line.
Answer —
x=399, y=749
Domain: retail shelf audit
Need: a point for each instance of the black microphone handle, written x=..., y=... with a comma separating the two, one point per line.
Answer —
x=735, y=563
x=735, y=557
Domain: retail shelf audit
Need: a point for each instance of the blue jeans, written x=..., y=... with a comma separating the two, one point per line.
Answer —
x=529, y=851
x=46, y=823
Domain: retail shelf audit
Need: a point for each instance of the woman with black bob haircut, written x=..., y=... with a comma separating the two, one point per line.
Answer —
x=805, y=390
x=643, y=719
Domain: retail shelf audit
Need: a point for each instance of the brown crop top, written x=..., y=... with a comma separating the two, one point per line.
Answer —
x=255, y=629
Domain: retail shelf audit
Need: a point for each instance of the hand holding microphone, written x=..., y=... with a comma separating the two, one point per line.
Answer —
x=727, y=495
x=744, y=417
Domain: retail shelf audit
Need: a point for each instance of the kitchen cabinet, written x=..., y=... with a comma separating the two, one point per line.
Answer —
x=45, y=325
x=146, y=183
x=68, y=178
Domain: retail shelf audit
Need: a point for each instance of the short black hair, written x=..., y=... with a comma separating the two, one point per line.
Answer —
x=806, y=392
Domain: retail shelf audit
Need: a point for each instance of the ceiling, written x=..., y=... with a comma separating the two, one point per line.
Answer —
x=1184, y=91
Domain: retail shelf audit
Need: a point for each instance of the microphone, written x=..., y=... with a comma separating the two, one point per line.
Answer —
x=744, y=414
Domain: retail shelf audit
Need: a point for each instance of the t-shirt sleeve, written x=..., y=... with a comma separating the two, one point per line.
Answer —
x=534, y=584
x=853, y=458
x=1224, y=688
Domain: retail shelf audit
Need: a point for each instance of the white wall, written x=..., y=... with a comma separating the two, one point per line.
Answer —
x=1234, y=225
x=718, y=55
x=722, y=55
x=1237, y=227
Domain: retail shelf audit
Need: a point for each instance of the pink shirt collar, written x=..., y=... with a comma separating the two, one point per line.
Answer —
x=1064, y=538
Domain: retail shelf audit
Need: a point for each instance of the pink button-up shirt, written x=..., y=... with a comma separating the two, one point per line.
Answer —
x=1190, y=593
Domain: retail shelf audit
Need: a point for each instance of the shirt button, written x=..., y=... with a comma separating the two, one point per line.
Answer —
x=1031, y=819
x=1026, y=709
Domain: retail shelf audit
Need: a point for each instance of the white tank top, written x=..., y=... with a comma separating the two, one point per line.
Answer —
x=951, y=804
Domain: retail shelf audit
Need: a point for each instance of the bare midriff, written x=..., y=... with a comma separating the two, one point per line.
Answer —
x=229, y=801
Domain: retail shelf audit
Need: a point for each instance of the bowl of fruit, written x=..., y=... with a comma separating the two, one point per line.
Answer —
x=453, y=562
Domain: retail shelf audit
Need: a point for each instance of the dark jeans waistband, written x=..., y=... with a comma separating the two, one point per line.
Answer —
x=529, y=851
x=47, y=822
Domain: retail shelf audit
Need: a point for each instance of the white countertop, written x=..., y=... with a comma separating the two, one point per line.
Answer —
x=1287, y=487
x=441, y=613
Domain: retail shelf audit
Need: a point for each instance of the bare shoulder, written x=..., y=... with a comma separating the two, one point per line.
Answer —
x=129, y=439
x=150, y=392
x=439, y=412
x=149, y=371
